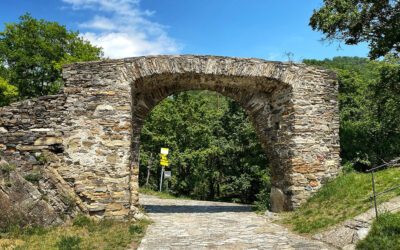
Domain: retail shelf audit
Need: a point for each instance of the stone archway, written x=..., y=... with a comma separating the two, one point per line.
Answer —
x=103, y=106
x=292, y=107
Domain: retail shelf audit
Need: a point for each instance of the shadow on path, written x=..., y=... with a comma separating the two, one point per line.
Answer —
x=195, y=209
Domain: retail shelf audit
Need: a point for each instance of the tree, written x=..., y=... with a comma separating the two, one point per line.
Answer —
x=214, y=151
x=369, y=108
x=8, y=93
x=33, y=51
x=353, y=21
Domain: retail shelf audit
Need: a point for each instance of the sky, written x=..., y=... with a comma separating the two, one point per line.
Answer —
x=266, y=29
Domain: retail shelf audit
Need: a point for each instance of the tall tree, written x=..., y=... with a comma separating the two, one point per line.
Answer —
x=353, y=21
x=369, y=108
x=33, y=51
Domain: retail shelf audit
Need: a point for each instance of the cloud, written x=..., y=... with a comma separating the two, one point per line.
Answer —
x=122, y=29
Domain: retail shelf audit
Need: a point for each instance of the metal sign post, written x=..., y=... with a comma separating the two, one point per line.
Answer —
x=167, y=175
x=163, y=162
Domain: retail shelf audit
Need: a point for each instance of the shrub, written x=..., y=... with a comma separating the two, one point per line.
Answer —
x=384, y=234
x=34, y=177
x=69, y=243
x=135, y=229
x=82, y=221
x=8, y=167
x=41, y=158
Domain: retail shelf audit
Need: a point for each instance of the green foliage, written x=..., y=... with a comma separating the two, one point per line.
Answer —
x=376, y=22
x=136, y=229
x=85, y=233
x=33, y=51
x=8, y=184
x=34, y=177
x=384, y=233
x=82, y=220
x=69, y=243
x=369, y=108
x=214, y=151
x=8, y=167
x=162, y=195
x=42, y=159
x=343, y=198
x=8, y=92
x=69, y=200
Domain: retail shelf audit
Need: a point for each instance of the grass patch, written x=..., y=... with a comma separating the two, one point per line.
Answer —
x=162, y=195
x=83, y=233
x=34, y=177
x=343, y=198
x=384, y=234
x=8, y=167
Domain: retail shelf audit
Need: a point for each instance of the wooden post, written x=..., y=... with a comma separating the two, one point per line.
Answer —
x=148, y=170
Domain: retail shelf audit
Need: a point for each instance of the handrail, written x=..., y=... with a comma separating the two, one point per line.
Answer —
x=394, y=163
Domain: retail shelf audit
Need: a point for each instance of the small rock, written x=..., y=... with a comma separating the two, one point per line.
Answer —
x=317, y=236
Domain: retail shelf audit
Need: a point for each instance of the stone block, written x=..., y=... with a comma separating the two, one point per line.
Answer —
x=47, y=141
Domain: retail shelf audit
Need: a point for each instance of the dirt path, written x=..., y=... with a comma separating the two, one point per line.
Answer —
x=185, y=224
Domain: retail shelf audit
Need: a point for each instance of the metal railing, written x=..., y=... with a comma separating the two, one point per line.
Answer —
x=391, y=164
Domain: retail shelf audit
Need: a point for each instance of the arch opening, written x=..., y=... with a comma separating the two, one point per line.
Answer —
x=214, y=151
x=266, y=101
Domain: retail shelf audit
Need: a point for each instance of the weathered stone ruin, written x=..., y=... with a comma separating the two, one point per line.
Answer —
x=89, y=133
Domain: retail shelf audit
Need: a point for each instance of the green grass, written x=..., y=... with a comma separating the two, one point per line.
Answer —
x=343, y=198
x=8, y=167
x=162, y=195
x=83, y=233
x=384, y=234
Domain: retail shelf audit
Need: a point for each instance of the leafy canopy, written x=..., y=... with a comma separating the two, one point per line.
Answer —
x=353, y=21
x=8, y=92
x=369, y=108
x=33, y=51
x=214, y=150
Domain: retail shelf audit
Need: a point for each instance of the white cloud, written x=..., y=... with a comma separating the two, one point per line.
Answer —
x=122, y=29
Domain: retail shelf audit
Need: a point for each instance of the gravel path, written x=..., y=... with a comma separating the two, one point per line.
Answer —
x=187, y=224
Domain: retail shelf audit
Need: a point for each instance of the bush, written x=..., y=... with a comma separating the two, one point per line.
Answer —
x=82, y=221
x=135, y=229
x=384, y=234
x=69, y=243
x=33, y=178
x=8, y=167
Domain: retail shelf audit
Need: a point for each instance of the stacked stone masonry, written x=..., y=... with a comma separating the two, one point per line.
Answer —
x=90, y=131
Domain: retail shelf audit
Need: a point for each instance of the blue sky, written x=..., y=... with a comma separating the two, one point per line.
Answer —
x=264, y=29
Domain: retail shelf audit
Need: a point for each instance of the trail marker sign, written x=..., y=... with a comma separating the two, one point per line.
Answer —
x=164, y=151
x=164, y=160
x=167, y=174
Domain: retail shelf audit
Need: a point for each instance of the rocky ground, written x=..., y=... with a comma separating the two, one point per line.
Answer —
x=189, y=224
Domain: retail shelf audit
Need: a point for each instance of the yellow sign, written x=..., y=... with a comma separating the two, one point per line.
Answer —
x=164, y=160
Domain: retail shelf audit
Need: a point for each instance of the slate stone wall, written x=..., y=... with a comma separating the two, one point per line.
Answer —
x=93, y=127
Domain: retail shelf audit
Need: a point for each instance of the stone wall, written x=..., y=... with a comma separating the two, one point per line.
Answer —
x=92, y=129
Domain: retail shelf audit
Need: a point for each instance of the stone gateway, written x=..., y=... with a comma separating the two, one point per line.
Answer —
x=89, y=133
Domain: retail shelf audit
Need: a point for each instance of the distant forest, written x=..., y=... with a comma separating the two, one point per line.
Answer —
x=215, y=153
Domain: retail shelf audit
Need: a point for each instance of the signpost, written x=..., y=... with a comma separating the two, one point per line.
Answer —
x=163, y=162
x=167, y=175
